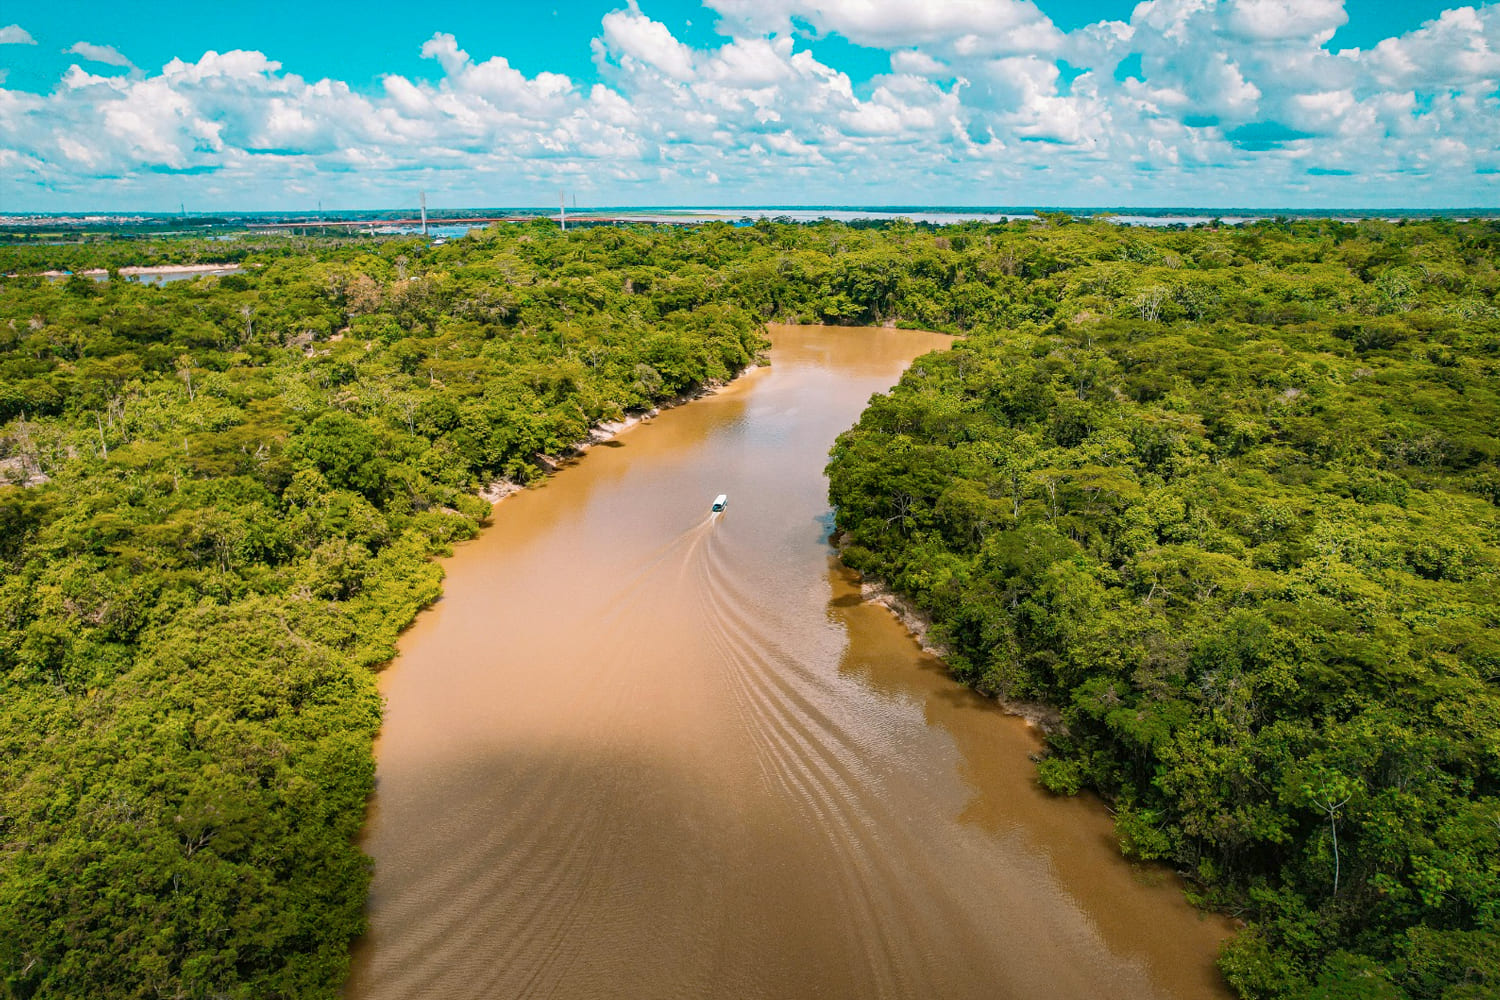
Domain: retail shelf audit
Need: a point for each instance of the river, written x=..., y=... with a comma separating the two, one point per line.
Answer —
x=643, y=750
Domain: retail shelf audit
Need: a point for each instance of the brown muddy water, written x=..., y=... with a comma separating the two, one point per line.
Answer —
x=642, y=750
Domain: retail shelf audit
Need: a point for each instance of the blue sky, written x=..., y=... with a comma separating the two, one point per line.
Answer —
x=279, y=105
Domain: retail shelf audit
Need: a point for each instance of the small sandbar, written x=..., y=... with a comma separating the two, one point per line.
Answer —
x=142, y=271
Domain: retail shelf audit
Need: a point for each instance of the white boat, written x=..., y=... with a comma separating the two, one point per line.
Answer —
x=720, y=501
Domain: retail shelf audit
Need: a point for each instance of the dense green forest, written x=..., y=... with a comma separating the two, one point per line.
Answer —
x=246, y=479
x=1231, y=507
x=1224, y=495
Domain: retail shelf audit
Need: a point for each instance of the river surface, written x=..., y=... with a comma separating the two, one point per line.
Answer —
x=643, y=750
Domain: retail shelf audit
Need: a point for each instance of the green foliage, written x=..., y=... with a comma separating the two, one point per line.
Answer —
x=235, y=491
x=1230, y=507
x=344, y=450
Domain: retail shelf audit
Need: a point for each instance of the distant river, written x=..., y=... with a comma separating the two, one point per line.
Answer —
x=643, y=750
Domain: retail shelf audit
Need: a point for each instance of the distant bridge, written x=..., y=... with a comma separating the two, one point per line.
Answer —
x=580, y=219
x=383, y=223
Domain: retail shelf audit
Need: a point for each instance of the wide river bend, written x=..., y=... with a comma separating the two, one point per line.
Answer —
x=642, y=750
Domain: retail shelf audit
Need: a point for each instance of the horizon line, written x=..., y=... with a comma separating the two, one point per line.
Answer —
x=1012, y=209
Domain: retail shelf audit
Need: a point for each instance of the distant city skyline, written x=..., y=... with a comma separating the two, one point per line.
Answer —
x=1233, y=103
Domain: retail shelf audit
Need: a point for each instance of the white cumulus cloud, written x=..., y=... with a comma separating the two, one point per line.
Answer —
x=1275, y=20
x=987, y=26
x=14, y=34
x=634, y=36
x=107, y=54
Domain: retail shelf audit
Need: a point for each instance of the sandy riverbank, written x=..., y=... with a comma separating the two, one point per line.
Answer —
x=180, y=269
x=144, y=270
x=602, y=432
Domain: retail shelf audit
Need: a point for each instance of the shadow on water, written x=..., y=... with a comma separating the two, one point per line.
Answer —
x=590, y=871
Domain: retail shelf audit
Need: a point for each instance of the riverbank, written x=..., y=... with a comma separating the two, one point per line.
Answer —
x=873, y=590
x=608, y=430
